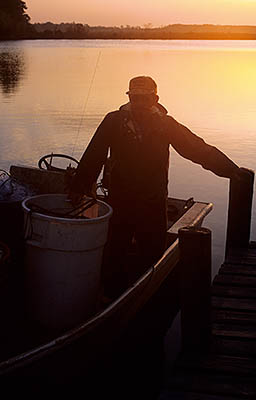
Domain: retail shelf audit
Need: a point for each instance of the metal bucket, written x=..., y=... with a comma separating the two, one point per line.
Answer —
x=63, y=262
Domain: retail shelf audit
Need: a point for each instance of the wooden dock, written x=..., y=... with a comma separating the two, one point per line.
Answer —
x=218, y=356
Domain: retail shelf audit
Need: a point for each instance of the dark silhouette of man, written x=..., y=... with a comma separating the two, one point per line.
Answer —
x=138, y=136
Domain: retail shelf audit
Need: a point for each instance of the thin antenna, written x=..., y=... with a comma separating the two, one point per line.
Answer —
x=86, y=101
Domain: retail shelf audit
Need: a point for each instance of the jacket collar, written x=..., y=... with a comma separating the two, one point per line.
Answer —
x=156, y=109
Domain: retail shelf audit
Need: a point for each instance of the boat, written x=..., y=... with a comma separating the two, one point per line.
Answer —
x=142, y=313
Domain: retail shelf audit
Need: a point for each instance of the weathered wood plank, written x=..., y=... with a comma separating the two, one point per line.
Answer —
x=230, y=280
x=234, y=347
x=179, y=395
x=241, y=260
x=233, y=304
x=250, y=250
x=249, y=270
x=234, y=331
x=233, y=317
x=236, y=292
x=214, y=384
x=241, y=366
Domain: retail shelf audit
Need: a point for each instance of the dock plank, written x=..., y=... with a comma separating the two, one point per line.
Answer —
x=235, y=292
x=233, y=346
x=234, y=280
x=238, y=269
x=234, y=331
x=233, y=304
x=195, y=396
x=213, y=384
x=239, y=254
x=241, y=366
x=233, y=317
x=241, y=260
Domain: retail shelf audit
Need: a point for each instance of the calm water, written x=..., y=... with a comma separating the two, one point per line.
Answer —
x=55, y=93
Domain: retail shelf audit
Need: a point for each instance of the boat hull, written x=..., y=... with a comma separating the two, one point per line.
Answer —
x=133, y=324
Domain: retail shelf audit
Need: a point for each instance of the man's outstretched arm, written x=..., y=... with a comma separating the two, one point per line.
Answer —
x=194, y=148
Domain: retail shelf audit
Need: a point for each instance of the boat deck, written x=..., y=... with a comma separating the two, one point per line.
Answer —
x=227, y=370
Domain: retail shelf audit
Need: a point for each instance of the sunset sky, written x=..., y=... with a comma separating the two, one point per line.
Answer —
x=140, y=12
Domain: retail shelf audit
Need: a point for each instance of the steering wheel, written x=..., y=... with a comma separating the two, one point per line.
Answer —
x=48, y=164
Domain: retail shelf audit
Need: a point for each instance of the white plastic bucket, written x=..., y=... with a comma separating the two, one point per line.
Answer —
x=63, y=261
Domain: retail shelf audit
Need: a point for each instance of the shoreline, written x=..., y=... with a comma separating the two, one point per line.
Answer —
x=122, y=38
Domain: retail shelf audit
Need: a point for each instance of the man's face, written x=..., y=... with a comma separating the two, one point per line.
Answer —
x=143, y=101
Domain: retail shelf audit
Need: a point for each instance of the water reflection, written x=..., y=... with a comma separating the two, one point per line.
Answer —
x=12, y=69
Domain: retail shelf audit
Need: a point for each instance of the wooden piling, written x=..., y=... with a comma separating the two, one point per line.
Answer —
x=195, y=288
x=239, y=211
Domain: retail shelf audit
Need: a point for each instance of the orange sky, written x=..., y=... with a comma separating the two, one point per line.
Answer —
x=139, y=12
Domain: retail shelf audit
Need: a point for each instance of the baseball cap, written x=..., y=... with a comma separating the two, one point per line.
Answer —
x=142, y=85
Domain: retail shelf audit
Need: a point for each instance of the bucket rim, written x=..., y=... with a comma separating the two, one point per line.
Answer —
x=60, y=219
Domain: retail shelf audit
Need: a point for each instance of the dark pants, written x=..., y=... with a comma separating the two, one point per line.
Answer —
x=137, y=229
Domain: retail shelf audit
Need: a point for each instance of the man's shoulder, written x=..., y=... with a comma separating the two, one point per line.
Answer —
x=109, y=120
x=171, y=123
x=168, y=121
x=169, y=118
x=113, y=115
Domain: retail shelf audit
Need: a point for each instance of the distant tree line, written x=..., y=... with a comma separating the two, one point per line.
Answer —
x=74, y=30
x=15, y=24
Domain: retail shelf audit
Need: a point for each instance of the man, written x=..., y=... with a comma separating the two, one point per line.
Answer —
x=138, y=136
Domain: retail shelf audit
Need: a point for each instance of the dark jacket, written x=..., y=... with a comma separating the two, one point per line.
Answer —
x=140, y=155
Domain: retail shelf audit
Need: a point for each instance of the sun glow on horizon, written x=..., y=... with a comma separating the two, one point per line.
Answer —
x=134, y=13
